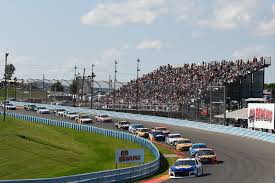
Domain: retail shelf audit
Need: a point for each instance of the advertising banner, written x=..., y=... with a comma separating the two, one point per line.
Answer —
x=130, y=156
x=261, y=115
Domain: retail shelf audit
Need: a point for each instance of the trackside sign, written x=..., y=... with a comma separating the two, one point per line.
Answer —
x=261, y=115
x=130, y=156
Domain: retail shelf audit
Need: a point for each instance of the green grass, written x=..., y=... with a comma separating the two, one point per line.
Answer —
x=21, y=95
x=30, y=150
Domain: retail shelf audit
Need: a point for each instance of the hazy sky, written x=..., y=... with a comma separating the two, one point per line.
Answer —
x=51, y=36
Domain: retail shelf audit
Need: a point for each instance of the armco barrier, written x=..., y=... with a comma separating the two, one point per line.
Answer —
x=118, y=175
x=242, y=132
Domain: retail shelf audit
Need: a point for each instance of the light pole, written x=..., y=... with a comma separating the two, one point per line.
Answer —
x=137, y=99
x=92, y=85
x=114, y=103
x=15, y=85
x=5, y=84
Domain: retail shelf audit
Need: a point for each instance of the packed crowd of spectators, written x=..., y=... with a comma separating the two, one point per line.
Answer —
x=179, y=84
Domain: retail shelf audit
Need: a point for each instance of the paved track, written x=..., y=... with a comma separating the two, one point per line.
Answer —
x=244, y=160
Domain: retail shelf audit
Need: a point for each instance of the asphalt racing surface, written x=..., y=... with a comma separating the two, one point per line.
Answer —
x=243, y=160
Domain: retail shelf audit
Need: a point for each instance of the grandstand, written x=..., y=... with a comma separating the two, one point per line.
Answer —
x=179, y=89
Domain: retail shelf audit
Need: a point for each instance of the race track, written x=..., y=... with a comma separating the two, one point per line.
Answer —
x=244, y=160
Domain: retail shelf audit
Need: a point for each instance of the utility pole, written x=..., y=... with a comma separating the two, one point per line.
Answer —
x=30, y=91
x=82, y=87
x=114, y=103
x=15, y=85
x=92, y=86
x=137, y=99
x=75, y=72
x=210, y=101
x=5, y=84
x=224, y=100
x=43, y=81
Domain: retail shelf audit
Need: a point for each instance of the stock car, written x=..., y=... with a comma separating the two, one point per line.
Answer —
x=72, y=115
x=164, y=130
x=157, y=135
x=103, y=118
x=58, y=110
x=9, y=106
x=142, y=132
x=172, y=138
x=84, y=119
x=206, y=156
x=195, y=147
x=187, y=167
x=134, y=127
x=32, y=107
x=122, y=125
x=42, y=110
x=183, y=145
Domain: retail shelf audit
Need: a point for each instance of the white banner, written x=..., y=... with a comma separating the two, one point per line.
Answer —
x=130, y=156
x=261, y=115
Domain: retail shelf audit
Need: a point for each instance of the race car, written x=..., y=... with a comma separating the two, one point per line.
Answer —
x=206, y=156
x=42, y=110
x=183, y=145
x=122, y=125
x=195, y=147
x=84, y=119
x=187, y=167
x=162, y=129
x=172, y=138
x=103, y=118
x=157, y=135
x=58, y=110
x=72, y=115
x=143, y=132
x=10, y=106
x=134, y=127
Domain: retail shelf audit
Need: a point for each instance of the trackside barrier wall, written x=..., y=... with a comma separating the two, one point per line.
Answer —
x=118, y=175
x=242, y=132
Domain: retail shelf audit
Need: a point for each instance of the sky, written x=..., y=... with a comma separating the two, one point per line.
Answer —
x=52, y=37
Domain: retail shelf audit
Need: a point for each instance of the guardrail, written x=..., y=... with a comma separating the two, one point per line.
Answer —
x=242, y=132
x=118, y=175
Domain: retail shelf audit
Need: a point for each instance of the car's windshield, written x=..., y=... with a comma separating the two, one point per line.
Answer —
x=184, y=142
x=9, y=104
x=32, y=105
x=72, y=113
x=175, y=136
x=42, y=107
x=198, y=146
x=185, y=162
x=157, y=133
x=138, y=126
x=84, y=117
x=124, y=123
x=144, y=130
x=60, y=110
x=162, y=128
x=104, y=116
x=205, y=152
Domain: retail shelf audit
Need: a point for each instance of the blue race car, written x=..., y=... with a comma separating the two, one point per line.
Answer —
x=195, y=147
x=187, y=167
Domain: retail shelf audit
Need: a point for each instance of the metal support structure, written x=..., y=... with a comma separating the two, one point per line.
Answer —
x=210, y=108
x=82, y=85
x=5, y=84
x=114, y=102
x=92, y=85
x=137, y=99
x=15, y=87
x=224, y=102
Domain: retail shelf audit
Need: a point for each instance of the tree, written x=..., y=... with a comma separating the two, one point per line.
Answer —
x=73, y=87
x=57, y=87
x=270, y=86
x=10, y=71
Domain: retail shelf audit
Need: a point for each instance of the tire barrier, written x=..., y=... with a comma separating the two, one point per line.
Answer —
x=242, y=132
x=118, y=175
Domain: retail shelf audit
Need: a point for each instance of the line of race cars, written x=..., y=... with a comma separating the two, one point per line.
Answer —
x=199, y=153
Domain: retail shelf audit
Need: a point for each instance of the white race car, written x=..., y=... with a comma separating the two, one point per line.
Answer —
x=10, y=106
x=172, y=138
x=42, y=110
x=72, y=115
x=187, y=167
x=103, y=118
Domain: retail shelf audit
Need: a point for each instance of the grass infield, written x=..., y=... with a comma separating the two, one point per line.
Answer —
x=30, y=150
